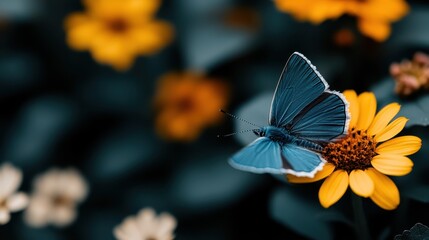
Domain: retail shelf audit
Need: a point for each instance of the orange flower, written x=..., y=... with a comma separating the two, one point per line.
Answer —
x=344, y=38
x=117, y=31
x=368, y=153
x=374, y=16
x=186, y=103
x=243, y=18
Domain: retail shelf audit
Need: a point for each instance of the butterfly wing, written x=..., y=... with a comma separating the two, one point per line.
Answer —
x=299, y=85
x=303, y=105
x=301, y=162
x=322, y=120
x=261, y=156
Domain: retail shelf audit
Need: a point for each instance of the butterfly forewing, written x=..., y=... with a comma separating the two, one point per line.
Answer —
x=299, y=85
x=322, y=120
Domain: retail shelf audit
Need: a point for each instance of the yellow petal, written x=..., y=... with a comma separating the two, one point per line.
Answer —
x=367, y=108
x=80, y=30
x=394, y=165
x=114, y=51
x=391, y=130
x=297, y=9
x=387, y=10
x=151, y=37
x=386, y=194
x=333, y=188
x=383, y=117
x=129, y=8
x=326, y=11
x=404, y=145
x=361, y=183
x=376, y=29
x=328, y=168
x=352, y=98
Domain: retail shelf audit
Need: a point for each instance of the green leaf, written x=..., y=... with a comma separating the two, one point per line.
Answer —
x=417, y=232
x=385, y=233
x=302, y=215
x=417, y=192
x=412, y=31
x=415, y=109
x=208, y=44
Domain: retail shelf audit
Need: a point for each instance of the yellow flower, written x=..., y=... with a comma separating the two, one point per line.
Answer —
x=368, y=153
x=117, y=31
x=186, y=103
x=374, y=16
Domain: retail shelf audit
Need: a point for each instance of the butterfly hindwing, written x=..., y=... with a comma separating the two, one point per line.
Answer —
x=322, y=120
x=299, y=85
x=300, y=161
x=262, y=155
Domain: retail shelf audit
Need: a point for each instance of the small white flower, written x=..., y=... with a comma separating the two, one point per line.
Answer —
x=55, y=197
x=146, y=226
x=10, y=200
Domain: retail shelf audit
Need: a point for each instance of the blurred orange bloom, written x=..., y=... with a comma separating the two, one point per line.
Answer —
x=117, y=31
x=186, y=103
x=344, y=37
x=374, y=16
x=243, y=18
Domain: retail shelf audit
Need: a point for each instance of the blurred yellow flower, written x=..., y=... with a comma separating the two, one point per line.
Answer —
x=368, y=153
x=374, y=16
x=117, y=31
x=186, y=103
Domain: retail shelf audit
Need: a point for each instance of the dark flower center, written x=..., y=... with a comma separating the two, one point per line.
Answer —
x=62, y=201
x=354, y=151
x=185, y=105
x=117, y=25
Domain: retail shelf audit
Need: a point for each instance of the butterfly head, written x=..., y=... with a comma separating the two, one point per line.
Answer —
x=260, y=132
x=274, y=133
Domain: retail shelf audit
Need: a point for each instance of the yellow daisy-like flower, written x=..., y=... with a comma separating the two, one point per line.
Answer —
x=374, y=16
x=117, y=31
x=368, y=153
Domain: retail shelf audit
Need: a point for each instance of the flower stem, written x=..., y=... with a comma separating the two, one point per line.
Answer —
x=361, y=225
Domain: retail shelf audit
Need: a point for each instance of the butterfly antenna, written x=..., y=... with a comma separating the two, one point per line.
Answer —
x=238, y=118
x=231, y=134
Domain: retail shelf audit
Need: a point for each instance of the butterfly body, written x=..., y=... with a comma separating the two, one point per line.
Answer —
x=282, y=136
x=304, y=116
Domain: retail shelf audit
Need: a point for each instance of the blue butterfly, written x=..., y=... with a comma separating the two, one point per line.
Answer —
x=304, y=116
